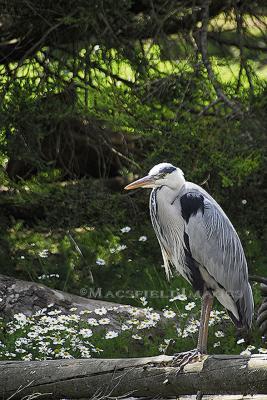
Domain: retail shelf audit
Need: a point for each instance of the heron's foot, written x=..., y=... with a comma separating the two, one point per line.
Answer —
x=180, y=360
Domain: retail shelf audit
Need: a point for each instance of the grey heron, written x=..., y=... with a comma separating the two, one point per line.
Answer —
x=199, y=242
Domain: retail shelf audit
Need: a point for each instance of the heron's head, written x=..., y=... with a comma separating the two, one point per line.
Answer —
x=163, y=174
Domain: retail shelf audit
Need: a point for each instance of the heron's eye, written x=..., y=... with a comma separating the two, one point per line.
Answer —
x=161, y=175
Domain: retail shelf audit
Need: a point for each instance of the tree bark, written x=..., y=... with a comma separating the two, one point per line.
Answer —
x=17, y=296
x=136, y=377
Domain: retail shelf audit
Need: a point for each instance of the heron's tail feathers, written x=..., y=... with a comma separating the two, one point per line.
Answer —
x=245, y=308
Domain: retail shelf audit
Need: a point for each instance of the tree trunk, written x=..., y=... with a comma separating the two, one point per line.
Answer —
x=143, y=377
x=17, y=296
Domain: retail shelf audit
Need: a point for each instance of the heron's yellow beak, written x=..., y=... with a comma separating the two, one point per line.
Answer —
x=147, y=181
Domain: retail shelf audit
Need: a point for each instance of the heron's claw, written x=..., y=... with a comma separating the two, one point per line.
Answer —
x=180, y=360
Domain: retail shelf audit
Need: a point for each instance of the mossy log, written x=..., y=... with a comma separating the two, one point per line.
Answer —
x=18, y=296
x=136, y=377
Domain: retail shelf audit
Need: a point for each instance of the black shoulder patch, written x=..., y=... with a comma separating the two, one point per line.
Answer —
x=191, y=203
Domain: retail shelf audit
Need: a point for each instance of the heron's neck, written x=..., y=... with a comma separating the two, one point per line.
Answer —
x=167, y=194
x=176, y=180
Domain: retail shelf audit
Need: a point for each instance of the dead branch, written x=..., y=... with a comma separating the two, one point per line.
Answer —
x=28, y=297
x=201, y=38
x=138, y=377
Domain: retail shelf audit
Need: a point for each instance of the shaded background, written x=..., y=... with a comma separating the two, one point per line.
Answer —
x=93, y=94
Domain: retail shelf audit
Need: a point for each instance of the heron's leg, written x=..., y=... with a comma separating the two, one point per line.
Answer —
x=207, y=301
x=182, y=359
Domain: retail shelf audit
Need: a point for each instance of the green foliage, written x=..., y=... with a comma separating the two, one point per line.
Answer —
x=109, y=94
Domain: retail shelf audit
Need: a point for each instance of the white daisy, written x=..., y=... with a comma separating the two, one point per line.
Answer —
x=262, y=350
x=154, y=316
x=100, y=261
x=125, y=327
x=190, y=306
x=169, y=314
x=104, y=321
x=86, y=333
x=137, y=337
x=44, y=253
x=181, y=297
x=111, y=335
x=192, y=328
x=142, y=239
x=219, y=334
x=143, y=301
x=92, y=321
x=101, y=311
x=121, y=247
x=126, y=229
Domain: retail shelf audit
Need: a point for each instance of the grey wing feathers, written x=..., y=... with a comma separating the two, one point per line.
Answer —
x=215, y=245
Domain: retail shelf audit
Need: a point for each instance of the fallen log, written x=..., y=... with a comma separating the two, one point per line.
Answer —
x=199, y=396
x=136, y=377
x=18, y=296
x=221, y=397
